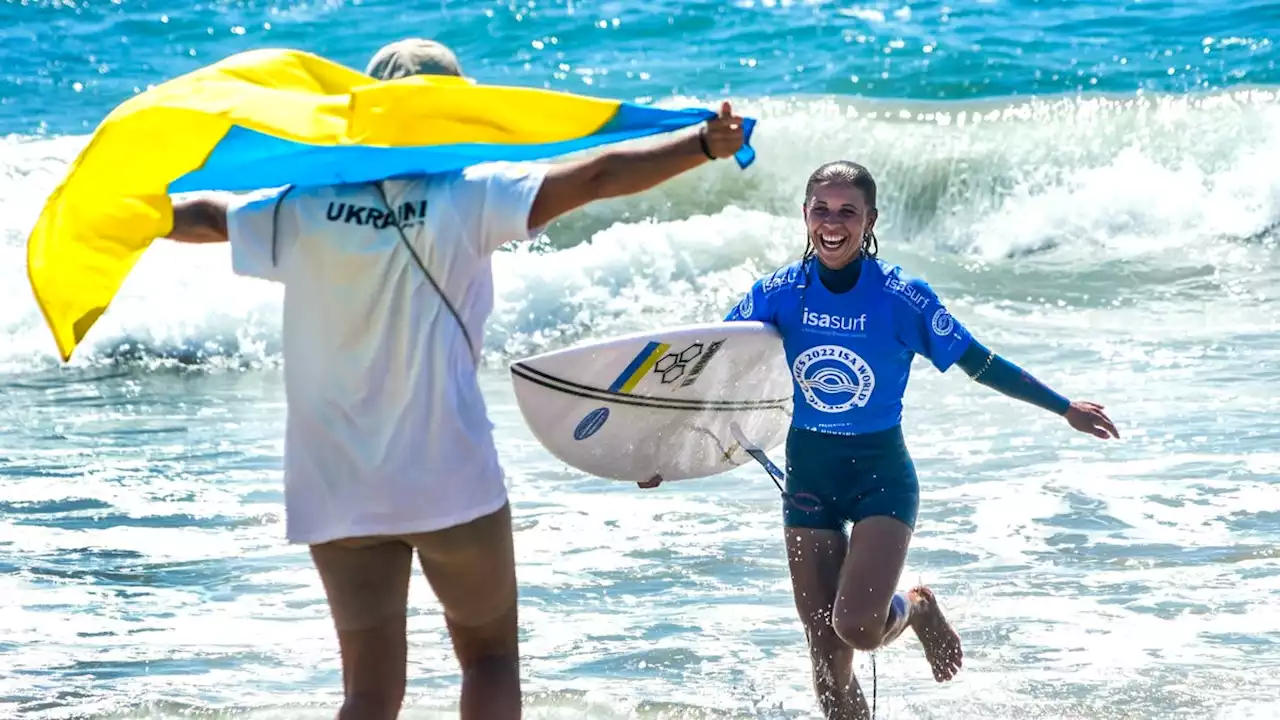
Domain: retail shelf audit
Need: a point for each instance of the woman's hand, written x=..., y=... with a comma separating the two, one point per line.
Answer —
x=1088, y=418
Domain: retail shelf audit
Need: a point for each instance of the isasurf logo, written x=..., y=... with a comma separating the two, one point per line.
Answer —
x=747, y=305
x=839, y=323
x=903, y=289
x=943, y=323
x=833, y=378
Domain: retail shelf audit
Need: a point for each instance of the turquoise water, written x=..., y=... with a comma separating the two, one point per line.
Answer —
x=1094, y=187
x=81, y=58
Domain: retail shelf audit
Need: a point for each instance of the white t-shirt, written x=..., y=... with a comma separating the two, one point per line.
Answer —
x=387, y=432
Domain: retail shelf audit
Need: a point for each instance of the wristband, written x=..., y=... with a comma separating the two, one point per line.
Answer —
x=702, y=141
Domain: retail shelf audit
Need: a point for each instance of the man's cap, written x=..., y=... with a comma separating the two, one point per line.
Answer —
x=413, y=56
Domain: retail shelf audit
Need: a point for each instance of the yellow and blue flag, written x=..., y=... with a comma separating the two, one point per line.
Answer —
x=268, y=118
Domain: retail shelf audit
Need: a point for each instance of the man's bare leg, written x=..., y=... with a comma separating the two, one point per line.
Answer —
x=471, y=568
x=366, y=582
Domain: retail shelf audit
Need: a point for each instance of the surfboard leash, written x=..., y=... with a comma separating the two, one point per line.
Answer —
x=874, y=683
x=806, y=502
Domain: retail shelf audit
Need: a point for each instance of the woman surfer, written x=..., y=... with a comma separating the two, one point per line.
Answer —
x=851, y=325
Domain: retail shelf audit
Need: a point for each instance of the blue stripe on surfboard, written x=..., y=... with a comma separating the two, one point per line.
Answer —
x=633, y=367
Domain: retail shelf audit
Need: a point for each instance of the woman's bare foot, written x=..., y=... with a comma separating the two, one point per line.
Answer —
x=941, y=642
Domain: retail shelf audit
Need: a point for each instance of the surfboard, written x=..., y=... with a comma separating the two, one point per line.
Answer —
x=662, y=402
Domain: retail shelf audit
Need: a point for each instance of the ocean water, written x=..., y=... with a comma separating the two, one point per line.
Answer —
x=1094, y=187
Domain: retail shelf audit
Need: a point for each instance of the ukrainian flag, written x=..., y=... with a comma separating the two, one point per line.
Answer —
x=268, y=118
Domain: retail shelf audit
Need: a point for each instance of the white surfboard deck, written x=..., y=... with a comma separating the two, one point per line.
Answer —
x=660, y=402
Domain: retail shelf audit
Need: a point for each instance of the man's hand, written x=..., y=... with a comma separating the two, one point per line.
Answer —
x=724, y=134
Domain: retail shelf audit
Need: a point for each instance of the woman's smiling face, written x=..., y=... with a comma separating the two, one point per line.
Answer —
x=838, y=218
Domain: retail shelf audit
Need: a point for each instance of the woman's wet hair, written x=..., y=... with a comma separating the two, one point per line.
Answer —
x=844, y=172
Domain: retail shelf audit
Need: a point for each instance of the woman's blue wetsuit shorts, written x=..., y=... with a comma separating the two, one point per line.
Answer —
x=853, y=477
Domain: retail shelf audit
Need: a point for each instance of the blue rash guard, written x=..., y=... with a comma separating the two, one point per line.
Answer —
x=850, y=352
x=850, y=336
